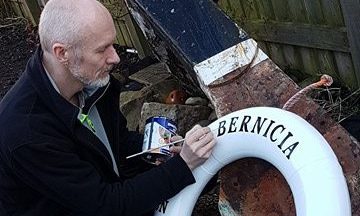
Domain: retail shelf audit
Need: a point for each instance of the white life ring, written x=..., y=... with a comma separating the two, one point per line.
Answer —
x=286, y=141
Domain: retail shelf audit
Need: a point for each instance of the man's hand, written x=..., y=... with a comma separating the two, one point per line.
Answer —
x=198, y=145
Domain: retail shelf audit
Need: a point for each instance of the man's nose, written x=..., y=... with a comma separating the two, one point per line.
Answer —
x=113, y=56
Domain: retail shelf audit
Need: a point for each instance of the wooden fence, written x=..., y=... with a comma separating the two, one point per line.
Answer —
x=305, y=37
x=26, y=8
x=5, y=10
x=128, y=34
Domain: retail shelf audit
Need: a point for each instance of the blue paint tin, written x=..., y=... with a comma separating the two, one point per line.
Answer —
x=158, y=131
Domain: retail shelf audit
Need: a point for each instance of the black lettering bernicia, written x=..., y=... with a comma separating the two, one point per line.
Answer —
x=284, y=140
x=244, y=123
x=232, y=127
x=291, y=148
x=221, y=128
x=267, y=129
x=273, y=131
x=258, y=125
x=162, y=206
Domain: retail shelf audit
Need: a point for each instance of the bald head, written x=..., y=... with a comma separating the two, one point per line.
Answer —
x=69, y=22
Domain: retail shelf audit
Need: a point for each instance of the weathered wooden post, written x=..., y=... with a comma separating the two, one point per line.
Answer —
x=212, y=55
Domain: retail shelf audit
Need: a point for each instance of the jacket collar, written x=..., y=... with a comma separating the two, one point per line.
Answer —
x=64, y=110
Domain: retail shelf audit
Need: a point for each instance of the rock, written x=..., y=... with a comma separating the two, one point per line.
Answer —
x=185, y=116
x=131, y=103
x=155, y=90
x=212, y=116
x=152, y=74
x=196, y=101
x=204, y=123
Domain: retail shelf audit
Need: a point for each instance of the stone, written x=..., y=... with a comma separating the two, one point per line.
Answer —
x=212, y=116
x=196, y=101
x=185, y=116
x=155, y=90
x=131, y=103
x=152, y=74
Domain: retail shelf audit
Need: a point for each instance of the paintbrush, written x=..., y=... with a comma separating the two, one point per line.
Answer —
x=152, y=149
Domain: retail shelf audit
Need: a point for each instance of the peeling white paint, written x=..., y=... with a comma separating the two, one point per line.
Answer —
x=229, y=60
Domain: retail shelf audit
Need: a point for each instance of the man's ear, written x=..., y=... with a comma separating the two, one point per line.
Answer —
x=61, y=53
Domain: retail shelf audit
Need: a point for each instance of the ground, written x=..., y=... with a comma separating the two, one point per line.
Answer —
x=17, y=43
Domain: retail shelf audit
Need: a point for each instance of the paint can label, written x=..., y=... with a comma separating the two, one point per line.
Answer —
x=158, y=131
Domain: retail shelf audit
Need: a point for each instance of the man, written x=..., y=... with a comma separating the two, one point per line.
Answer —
x=63, y=141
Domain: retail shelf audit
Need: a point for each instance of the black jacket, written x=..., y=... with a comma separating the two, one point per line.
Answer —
x=50, y=164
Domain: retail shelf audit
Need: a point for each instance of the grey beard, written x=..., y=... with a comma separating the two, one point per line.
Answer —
x=91, y=83
x=100, y=82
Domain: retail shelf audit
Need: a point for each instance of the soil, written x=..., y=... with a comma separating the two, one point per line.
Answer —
x=17, y=43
